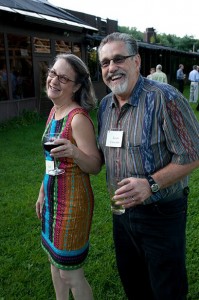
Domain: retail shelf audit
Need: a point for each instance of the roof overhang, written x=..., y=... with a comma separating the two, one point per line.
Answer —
x=46, y=18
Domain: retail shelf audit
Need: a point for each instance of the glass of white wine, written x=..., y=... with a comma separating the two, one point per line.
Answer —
x=112, y=187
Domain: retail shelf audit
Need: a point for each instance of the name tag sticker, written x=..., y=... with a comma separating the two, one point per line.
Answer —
x=114, y=138
x=49, y=166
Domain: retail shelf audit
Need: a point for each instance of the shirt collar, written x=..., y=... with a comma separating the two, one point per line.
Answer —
x=135, y=94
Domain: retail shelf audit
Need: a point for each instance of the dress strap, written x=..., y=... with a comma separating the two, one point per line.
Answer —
x=51, y=114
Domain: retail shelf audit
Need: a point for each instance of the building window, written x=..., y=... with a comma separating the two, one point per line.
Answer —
x=76, y=49
x=67, y=47
x=41, y=45
x=62, y=47
x=3, y=71
x=21, y=71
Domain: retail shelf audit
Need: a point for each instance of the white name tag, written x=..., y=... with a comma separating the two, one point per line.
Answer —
x=114, y=138
x=50, y=165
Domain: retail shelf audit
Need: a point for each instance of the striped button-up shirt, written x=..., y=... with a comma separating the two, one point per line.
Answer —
x=159, y=127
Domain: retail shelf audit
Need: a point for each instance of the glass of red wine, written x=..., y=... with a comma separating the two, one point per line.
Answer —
x=48, y=144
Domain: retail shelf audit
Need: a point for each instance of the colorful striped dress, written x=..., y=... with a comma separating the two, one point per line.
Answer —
x=68, y=205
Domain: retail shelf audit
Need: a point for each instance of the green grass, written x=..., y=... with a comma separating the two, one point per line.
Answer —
x=24, y=271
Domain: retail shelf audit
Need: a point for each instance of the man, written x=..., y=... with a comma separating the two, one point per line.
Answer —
x=194, y=78
x=159, y=75
x=159, y=147
x=180, y=76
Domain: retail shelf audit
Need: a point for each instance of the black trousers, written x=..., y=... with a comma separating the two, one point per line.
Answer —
x=150, y=250
x=181, y=85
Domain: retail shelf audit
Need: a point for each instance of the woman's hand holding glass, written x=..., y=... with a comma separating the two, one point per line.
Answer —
x=65, y=149
x=50, y=142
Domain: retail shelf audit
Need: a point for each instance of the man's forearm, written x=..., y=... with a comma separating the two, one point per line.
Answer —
x=173, y=173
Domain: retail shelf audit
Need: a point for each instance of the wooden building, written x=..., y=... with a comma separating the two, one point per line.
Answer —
x=32, y=32
x=170, y=58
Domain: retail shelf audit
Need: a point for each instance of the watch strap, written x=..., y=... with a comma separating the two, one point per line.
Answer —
x=150, y=180
x=154, y=185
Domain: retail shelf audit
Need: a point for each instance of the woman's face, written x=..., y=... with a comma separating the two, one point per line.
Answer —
x=59, y=91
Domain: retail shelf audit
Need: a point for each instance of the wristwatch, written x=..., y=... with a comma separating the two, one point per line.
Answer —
x=153, y=185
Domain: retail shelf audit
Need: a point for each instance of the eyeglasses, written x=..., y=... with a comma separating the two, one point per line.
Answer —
x=62, y=78
x=118, y=60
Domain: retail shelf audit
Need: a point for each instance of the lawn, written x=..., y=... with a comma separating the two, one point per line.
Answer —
x=24, y=272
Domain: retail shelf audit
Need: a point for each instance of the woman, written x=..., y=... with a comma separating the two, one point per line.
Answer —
x=152, y=70
x=65, y=202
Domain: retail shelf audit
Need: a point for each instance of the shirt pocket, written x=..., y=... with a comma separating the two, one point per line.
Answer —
x=135, y=161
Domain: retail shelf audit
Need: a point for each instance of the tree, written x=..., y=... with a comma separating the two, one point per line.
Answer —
x=138, y=35
x=186, y=43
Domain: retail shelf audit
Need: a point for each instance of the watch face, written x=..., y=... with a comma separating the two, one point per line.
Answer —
x=155, y=187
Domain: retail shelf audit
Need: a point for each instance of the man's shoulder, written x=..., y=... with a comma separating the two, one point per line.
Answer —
x=154, y=75
x=167, y=91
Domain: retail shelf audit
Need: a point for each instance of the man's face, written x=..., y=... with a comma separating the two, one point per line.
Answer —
x=119, y=72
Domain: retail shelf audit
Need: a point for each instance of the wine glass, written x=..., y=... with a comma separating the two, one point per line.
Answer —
x=48, y=144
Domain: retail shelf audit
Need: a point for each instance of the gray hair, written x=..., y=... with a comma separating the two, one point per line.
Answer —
x=129, y=41
x=85, y=95
x=159, y=67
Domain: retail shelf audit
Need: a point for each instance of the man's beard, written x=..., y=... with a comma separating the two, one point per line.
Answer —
x=119, y=88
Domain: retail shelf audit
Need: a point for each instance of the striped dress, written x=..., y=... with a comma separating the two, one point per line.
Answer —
x=68, y=206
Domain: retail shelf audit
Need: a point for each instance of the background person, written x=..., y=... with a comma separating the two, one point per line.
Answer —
x=65, y=202
x=152, y=70
x=159, y=75
x=3, y=83
x=159, y=148
x=194, y=78
x=180, y=76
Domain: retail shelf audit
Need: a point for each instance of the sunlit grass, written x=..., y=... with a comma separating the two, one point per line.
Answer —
x=24, y=271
